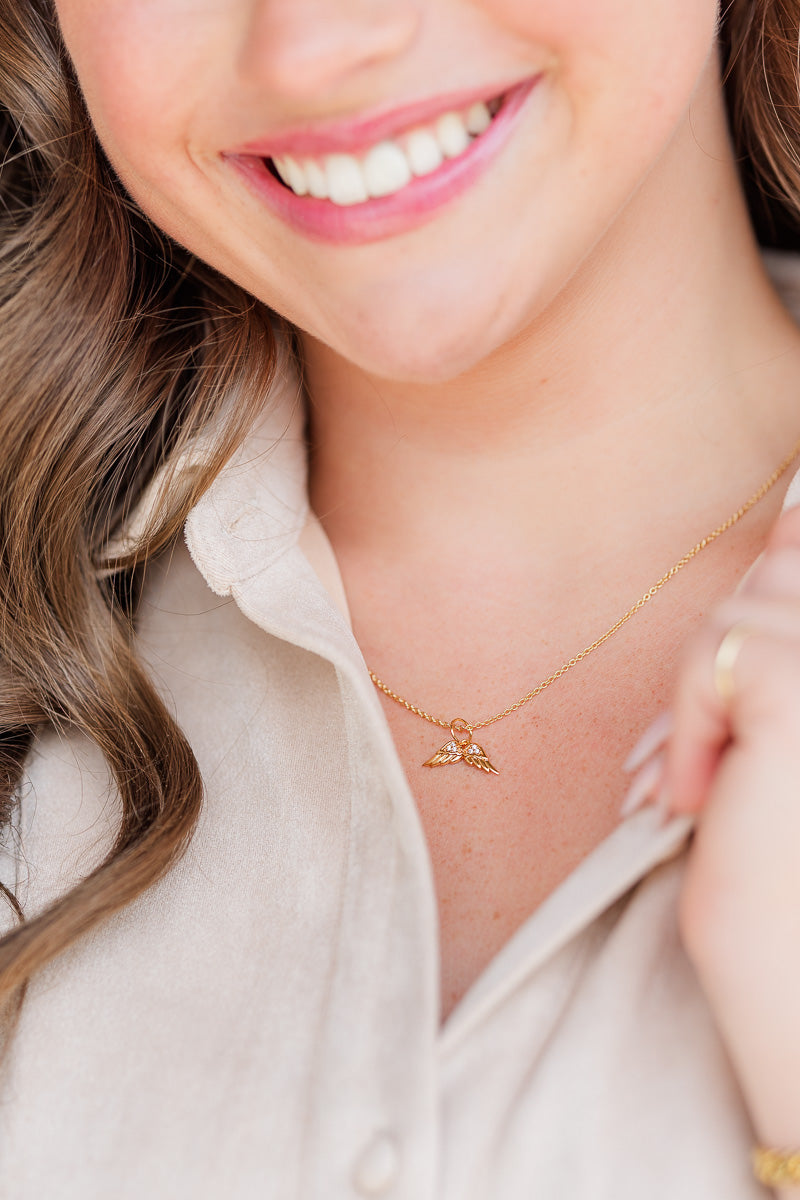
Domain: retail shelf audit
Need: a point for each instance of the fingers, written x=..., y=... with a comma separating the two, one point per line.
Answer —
x=647, y=783
x=785, y=531
x=764, y=709
x=776, y=574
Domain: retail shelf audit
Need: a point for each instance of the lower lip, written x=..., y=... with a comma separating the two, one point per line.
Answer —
x=414, y=205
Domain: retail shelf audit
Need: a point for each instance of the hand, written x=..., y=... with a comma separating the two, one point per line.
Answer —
x=737, y=766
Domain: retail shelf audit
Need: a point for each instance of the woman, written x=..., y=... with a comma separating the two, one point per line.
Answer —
x=444, y=328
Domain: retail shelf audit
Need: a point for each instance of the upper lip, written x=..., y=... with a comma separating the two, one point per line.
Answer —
x=351, y=135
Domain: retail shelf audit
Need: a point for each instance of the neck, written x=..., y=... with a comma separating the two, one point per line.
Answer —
x=667, y=360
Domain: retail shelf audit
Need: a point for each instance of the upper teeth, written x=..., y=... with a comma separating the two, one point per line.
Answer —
x=390, y=165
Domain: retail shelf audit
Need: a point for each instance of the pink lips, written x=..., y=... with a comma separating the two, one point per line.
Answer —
x=324, y=221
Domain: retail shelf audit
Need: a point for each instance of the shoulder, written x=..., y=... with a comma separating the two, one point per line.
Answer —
x=66, y=820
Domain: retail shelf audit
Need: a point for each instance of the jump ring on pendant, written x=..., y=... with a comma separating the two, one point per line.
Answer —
x=461, y=731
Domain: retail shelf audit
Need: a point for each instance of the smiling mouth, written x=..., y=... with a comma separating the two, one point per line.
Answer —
x=390, y=165
x=354, y=182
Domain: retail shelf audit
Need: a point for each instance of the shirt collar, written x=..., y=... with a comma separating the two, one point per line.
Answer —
x=257, y=507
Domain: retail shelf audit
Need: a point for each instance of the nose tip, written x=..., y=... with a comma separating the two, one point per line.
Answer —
x=303, y=47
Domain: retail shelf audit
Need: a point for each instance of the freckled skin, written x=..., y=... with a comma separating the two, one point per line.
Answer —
x=515, y=346
x=172, y=83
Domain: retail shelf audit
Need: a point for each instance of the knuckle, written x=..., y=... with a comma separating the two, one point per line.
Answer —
x=778, y=572
x=786, y=530
x=705, y=639
x=770, y=684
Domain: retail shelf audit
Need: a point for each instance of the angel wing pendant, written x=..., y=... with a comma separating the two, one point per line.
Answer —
x=460, y=749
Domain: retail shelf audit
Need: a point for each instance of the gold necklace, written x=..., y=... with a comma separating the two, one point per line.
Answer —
x=462, y=748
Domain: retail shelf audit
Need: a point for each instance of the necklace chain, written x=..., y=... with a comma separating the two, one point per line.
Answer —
x=464, y=726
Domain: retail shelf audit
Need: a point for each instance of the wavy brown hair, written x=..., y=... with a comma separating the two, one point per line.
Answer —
x=117, y=349
x=760, y=42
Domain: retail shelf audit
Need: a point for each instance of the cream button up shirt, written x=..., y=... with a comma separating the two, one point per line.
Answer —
x=263, y=1024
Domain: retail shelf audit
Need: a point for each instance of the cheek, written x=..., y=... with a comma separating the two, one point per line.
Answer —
x=141, y=64
x=648, y=53
x=160, y=82
x=617, y=25
x=629, y=74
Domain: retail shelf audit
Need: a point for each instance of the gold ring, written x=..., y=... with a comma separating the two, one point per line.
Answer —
x=725, y=660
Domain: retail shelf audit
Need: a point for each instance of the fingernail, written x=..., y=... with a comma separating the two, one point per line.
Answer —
x=650, y=740
x=663, y=805
x=645, y=786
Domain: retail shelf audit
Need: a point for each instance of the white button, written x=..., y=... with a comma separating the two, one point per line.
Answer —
x=377, y=1169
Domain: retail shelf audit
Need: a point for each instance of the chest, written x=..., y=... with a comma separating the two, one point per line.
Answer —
x=500, y=844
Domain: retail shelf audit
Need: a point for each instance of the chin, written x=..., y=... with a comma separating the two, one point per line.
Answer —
x=425, y=347
x=425, y=361
x=423, y=365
